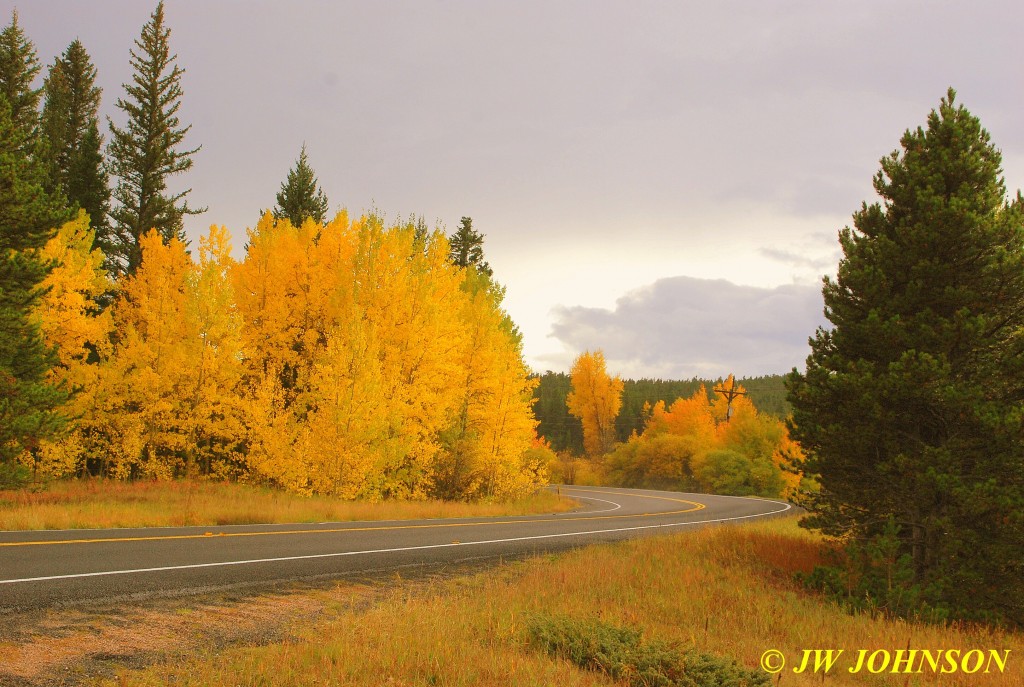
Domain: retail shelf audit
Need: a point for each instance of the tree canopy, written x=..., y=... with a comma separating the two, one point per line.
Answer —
x=18, y=69
x=70, y=126
x=595, y=399
x=467, y=247
x=28, y=216
x=147, y=151
x=910, y=408
x=301, y=197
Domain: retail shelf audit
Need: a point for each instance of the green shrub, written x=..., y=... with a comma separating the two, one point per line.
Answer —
x=14, y=475
x=621, y=653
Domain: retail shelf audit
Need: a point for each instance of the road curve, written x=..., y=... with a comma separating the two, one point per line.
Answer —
x=40, y=569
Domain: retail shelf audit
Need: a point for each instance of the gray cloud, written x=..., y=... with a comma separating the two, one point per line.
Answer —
x=681, y=327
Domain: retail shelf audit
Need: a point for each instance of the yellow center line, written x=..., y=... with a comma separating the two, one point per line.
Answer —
x=207, y=535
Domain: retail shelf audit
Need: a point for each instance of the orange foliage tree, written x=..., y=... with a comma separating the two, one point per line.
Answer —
x=595, y=399
x=692, y=445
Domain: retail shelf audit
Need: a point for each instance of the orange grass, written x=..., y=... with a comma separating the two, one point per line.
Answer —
x=91, y=504
x=725, y=590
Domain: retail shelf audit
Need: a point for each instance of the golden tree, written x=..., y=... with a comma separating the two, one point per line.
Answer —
x=595, y=399
x=374, y=369
x=72, y=323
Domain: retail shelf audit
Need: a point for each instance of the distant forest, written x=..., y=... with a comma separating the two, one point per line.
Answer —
x=564, y=432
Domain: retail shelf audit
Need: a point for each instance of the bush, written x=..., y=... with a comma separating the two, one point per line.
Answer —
x=14, y=475
x=621, y=653
x=873, y=576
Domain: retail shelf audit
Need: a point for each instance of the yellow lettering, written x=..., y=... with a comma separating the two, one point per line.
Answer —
x=951, y=656
x=899, y=665
x=993, y=655
x=803, y=664
x=873, y=667
x=973, y=653
x=824, y=659
x=931, y=658
x=860, y=661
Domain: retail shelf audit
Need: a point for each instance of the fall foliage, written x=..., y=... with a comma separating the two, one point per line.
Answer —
x=691, y=445
x=595, y=399
x=349, y=359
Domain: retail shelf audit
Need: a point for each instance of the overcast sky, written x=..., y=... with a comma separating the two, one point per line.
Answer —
x=663, y=180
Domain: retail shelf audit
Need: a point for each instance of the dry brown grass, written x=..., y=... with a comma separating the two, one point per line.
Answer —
x=91, y=504
x=74, y=643
x=725, y=590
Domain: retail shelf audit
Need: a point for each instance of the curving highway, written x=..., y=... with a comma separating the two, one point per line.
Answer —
x=40, y=569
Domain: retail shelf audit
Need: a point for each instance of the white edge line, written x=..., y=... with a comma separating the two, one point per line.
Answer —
x=397, y=550
x=595, y=512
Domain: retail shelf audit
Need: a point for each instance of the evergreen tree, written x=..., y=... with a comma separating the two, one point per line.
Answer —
x=70, y=127
x=28, y=218
x=300, y=196
x=912, y=405
x=146, y=152
x=18, y=69
x=467, y=247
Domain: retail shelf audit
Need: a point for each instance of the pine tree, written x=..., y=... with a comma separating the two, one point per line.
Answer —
x=28, y=218
x=300, y=196
x=467, y=247
x=911, y=408
x=70, y=127
x=146, y=152
x=18, y=69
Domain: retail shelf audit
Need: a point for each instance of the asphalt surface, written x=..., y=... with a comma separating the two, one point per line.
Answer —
x=40, y=569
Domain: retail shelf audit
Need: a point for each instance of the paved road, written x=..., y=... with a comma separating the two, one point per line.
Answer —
x=52, y=568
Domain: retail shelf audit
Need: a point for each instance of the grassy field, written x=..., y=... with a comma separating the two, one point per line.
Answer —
x=94, y=504
x=727, y=591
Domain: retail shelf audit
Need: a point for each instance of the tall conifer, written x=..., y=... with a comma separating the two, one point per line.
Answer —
x=147, y=150
x=28, y=218
x=71, y=129
x=300, y=196
x=912, y=404
x=18, y=69
x=467, y=247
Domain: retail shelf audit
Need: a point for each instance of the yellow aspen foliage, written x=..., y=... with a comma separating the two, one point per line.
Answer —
x=72, y=322
x=488, y=447
x=371, y=370
x=350, y=359
x=281, y=292
x=787, y=457
x=171, y=398
x=596, y=400
x=413, y=308
x=212, y=410
x=155, y=355
x=69, y=317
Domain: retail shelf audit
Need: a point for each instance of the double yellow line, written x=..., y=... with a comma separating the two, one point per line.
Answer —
x=334, y=530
